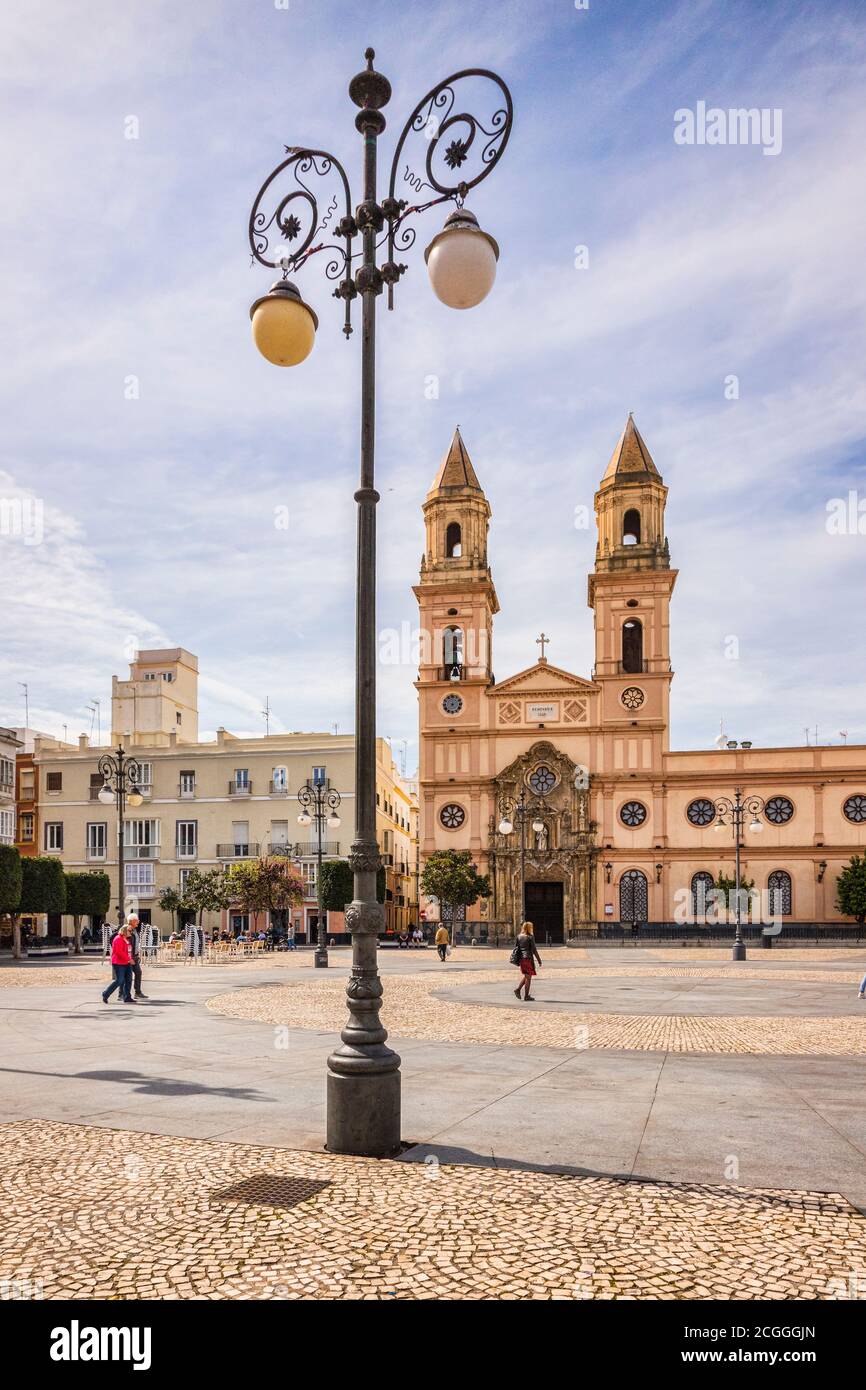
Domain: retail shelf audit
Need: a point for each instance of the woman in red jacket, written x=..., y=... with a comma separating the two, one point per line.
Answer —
x=121, y=964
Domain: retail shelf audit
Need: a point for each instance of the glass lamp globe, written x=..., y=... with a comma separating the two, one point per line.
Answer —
x=756, y=824
x=505, y=826
x=305, y=818
x=720, y=824
x=106, y=795
x=284, y=327
x=134, y=798
x=333, y=821
x=461, y=261
x=538, y=825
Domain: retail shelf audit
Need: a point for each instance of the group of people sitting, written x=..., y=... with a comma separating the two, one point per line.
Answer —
x=411, y=936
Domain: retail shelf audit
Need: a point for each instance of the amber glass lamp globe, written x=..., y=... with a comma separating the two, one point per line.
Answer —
x=461, y=262
x=284, y=327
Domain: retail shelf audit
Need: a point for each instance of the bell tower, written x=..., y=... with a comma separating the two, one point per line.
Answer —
x=630, y=591
x=455, y=593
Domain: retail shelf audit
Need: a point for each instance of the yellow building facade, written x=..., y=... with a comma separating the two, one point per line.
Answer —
x=214, y=803
x=616, y=827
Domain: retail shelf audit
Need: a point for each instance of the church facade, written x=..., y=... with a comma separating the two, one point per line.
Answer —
x=564, y=787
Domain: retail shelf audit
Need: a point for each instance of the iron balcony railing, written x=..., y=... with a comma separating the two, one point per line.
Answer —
x=185, y=792
x=240, y=788
x=307, y=850
x=141, y=851
x=277, y=789
x=243, y=850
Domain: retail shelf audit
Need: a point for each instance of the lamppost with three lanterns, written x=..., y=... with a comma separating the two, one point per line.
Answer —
x=121, y=780
x=733, y=814
x=320, y=803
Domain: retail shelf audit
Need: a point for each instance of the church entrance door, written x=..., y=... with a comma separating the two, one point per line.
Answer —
x=543, y=903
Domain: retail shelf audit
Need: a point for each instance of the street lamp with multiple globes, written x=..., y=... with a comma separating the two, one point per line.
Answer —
x=733, y=814
x=320, y=803
x=517, y=812
x=121, y=779
x=364, y=1074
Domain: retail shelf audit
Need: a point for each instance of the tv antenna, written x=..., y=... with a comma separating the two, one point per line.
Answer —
x=266, y=715
x=95, y=714
x=26, y=690
x=843, y=734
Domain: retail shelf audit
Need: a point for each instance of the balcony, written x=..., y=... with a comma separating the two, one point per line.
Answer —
x=186, y=792
x=6, y=788
x=186, y=851
x=95, y=856
x=240, y=788
x=141, y=890
x=141, y=851
x=239, y=851
x=309, y=849
x=277, y=789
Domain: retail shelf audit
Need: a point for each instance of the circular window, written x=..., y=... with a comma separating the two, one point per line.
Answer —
x=542, y=779
x=632, y=814
x=452, y=704
x=632, y=697
x=778, y=810
x=855, y=809
x=452, y=816
x=701, y=811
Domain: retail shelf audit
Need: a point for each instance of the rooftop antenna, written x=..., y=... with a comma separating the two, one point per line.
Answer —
x=403, y=746
x=721, y=739
x=806, y=732
x=266, y=715
x=843, y=734
x=26, y=690
x=336, y=729
x=65, y=739
x=95, y=715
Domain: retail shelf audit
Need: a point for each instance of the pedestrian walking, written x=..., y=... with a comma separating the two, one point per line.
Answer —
x=525, y=955
x=135, y=952
x=121, y=964
x=862, y=993
x=442, y=941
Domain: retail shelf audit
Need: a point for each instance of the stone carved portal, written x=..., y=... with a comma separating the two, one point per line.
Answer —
x=558, y=794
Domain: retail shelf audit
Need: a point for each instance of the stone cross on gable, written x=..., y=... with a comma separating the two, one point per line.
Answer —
x=542, y=641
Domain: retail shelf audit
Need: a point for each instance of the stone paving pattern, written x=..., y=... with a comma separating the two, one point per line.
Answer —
x=412, y=1010
x=216, y=1220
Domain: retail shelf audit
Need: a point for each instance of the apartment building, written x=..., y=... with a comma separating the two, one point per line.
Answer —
x=9, y=747
x=213, y=803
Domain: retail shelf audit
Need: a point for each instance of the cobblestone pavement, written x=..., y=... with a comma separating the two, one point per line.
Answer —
x=216, y=1220
x=413, y=1011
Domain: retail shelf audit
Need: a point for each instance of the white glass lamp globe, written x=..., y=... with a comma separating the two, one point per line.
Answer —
x=756, y=824
x=505, y=826
x=305, y=818
x=284, y=327
x=333, y=821
x=461, y=262
x=538, y=826
x=106, y=795
x=135, y=797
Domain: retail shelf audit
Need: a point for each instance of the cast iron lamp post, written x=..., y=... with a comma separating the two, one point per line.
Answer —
x=121, y=777
x=733, y=814
x=519, y=812
x=319, y=803
x=364, y=1074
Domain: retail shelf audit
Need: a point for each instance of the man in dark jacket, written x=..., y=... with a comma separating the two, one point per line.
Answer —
x=135, y=952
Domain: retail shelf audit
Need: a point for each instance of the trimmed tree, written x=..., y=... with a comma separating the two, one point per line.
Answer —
x=170, y=900
x=851, y=889
x=207, y=892
x=87, y=894
x=11, y=875
x=270, y=884
x=338, y=884
x=451, y=876
x=43, y=886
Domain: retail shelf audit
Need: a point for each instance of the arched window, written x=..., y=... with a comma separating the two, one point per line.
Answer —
x=702, y=886
x=631, y=527
x=633, y=897
x=453, y=541
x=779, y=884
x=280, y=779
x=452, y=651
x=632, y=646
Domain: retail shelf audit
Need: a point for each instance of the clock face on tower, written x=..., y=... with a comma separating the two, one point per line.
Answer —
x=452, y=704
x=632, y=697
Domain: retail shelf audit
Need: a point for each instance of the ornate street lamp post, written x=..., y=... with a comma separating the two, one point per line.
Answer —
x=319, y=803
x=121, y=777
x=513, y=813
x=363, y=1074
x=733, y=814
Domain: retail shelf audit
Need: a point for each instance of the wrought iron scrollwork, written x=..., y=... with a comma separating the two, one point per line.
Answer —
x=296, y=217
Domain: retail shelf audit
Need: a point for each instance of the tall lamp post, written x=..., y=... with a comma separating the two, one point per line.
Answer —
x=121, y=778
x=517, y=812
x=733, y=814
x=363, y=1073
x=319, y=803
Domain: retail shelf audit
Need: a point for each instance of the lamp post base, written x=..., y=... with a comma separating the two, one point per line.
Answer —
x=364, y=1114
x=738, y=950
x=320, y=960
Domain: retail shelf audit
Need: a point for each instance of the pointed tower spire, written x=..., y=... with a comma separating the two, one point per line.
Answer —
x=455, y=470
x=630, y=458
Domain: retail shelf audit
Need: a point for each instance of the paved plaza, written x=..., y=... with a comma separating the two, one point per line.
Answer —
x=679, y=1126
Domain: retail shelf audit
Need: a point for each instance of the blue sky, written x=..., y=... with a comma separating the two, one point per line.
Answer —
x=127, y=258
